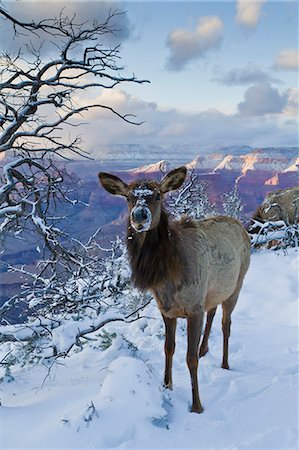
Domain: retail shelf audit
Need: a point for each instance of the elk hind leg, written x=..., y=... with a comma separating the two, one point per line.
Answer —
x=204, y=348
x=194, y=333
x=227, y=309
x=169, y=347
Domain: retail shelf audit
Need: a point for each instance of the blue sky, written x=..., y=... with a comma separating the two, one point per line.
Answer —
x=239, y=85
x=221, y=73
x=194, y=88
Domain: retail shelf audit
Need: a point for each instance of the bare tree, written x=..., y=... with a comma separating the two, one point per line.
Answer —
x=39, y=115
x=77, y=288
x=31, y=86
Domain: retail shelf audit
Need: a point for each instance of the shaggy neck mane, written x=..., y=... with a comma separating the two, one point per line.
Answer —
x=154, y=257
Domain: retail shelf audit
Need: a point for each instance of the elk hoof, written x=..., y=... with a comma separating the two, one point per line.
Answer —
x=203, y=351
x=168, y=385
x=198, y=409
x=225, y=366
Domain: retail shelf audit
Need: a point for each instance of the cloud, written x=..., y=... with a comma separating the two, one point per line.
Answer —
x=186, y=46
x=174, y=129
x=117, y=99
x=292, y=106
x=245, y=75
x=287, y=59
x=249, y=12
x=262, y=99
x=209, y=128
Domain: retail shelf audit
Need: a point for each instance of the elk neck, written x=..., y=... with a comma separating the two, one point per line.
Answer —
x=155, y=255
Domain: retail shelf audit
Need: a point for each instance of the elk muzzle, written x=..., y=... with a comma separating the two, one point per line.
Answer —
x=141, y=217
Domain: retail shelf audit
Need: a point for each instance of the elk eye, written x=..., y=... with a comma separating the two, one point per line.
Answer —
x=158, y=196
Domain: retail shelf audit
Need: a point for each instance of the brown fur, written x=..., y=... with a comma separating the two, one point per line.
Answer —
x=155, y=257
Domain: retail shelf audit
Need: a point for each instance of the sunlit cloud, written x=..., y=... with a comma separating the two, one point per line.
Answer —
x=117, y=99
x=292, y=107
x=186, y=46
x=249, y=12
x=287, y=59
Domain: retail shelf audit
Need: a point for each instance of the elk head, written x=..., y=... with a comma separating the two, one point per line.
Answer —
x=144, y=197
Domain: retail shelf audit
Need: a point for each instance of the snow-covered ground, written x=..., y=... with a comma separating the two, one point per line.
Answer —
x=113, y=398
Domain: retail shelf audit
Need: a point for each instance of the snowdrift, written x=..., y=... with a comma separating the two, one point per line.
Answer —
x=114, y=398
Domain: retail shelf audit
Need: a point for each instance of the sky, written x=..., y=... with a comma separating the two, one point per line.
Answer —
x=194, y=75
x=221, y=73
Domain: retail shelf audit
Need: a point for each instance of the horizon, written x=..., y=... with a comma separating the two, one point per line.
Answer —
x=114, y=159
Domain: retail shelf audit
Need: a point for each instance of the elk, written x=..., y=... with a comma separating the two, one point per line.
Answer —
x=189, y=266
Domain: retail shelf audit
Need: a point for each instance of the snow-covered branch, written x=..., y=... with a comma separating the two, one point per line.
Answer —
x=31, y=189
x=29, y=84
x=39, y=107
x=192, y=199
x=61, y=312
x=273, y=234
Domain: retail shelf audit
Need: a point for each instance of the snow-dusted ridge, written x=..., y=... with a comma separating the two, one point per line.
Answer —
x=267, y=159
x=160, y=166
x=293, y=167
x=114, y=398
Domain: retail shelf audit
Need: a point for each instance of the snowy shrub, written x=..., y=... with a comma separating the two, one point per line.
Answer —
x=274, y=234
x=191, y=199
x=63, y=314
x=232, y=204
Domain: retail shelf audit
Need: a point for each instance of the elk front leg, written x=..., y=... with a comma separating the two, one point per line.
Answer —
x=227, y=309
x=194, y=332
x=170, y=328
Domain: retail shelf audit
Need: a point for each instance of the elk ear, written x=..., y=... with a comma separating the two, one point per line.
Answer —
x=173, y=180
x=113, y=184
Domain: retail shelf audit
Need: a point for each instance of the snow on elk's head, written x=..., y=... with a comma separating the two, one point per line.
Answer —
x=144, y=197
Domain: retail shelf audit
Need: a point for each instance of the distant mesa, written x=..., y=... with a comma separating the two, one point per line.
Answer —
x=274, y=181
x=229, y=162
x=270, y=159
x=160, y=166
x=293, y=167
x=205, y=161
x=266, y=159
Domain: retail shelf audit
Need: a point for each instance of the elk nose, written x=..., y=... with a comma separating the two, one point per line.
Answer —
x=140, y=214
